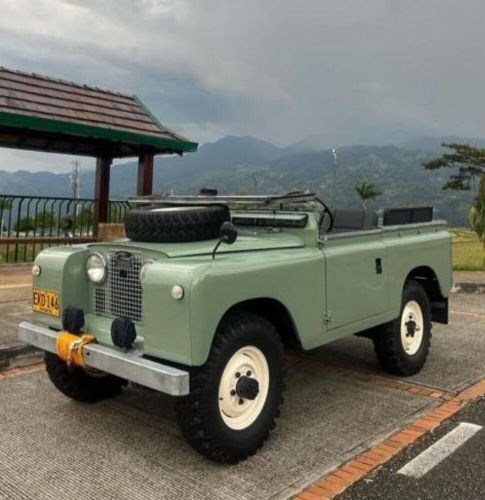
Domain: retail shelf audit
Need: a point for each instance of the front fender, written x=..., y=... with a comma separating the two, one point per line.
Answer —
x=63, y=270
x=293, y=277
x=166, y=324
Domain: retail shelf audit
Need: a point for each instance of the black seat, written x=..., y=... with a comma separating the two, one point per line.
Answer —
x=407, y=215
x=354, y=220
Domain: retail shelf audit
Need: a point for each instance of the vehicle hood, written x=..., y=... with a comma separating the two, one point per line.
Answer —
x=244, y=243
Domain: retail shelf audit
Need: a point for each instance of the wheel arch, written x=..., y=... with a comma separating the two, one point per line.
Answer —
x=428, y=279
x=275, y=312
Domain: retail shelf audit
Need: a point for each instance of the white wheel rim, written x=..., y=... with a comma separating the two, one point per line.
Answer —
x=239, y=413
x=412, y=327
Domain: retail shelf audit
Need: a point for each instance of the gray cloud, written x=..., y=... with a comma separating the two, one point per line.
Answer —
x=351, y=71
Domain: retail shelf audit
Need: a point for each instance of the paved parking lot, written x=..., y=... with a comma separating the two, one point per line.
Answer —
x=15, y=294
x=15, y=305
x=441, y=468
x=338, y=403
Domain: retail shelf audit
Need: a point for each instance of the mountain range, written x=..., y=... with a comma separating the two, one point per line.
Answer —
x=249, y=165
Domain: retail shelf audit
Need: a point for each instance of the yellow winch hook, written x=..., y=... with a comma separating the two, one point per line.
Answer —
x=70, y=347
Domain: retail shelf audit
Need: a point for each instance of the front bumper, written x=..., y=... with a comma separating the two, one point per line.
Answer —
x=129, y=365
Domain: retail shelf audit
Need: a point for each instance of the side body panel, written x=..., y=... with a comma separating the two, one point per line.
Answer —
x=405, y=248
x=411, y=247
x=355, y=279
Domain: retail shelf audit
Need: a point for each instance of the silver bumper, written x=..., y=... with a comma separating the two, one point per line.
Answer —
x=128, y=365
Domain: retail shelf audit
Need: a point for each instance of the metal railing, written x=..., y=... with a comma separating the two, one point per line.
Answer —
x=29, y=224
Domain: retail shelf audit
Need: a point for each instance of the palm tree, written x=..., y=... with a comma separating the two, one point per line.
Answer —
x=366, y=192
x=5, y=205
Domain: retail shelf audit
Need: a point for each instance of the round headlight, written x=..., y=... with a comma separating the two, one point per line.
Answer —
x=96, y=268
x=36, y=270
x=143, y=270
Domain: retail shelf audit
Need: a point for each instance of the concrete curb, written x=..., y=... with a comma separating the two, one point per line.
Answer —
x=22, y=370
x=334, y=483
x=468, y=287
x=19, y=355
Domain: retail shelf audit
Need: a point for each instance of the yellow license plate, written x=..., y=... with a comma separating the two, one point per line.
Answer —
x=45, y=301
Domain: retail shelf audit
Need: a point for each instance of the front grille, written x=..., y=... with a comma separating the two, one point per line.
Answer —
x=122, y=293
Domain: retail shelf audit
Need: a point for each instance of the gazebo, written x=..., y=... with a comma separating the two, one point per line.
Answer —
x=39, y=113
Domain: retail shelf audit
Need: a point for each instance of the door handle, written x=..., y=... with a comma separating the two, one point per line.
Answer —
x=378, y=265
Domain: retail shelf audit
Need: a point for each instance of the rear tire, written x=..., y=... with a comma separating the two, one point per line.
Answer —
x=402, y=345
x=79, y=385
x=227, y=417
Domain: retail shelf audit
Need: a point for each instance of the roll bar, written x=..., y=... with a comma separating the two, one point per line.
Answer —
x=254, y=200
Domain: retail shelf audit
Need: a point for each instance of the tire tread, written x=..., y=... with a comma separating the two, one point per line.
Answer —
x=192, y=410
x=201, y=223
x=387, y=341
x=78, y=385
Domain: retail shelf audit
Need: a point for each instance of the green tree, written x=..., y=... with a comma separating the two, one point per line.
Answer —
x=84, y=218
x=469, y=165
x=476, y=214
x=25, y=224
x=468, y=162
x=45, y=220
x=366, y=192
x=5, y=203
x=82, y=221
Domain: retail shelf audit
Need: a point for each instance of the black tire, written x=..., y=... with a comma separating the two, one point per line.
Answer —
x=388, y=343
x=199, y=416
x=76, y=384
x=175, y=224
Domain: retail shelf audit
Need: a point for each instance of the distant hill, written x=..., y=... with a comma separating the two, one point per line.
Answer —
x=314, y=142
x=34, y=183
x=247, y=164
x=434, y=144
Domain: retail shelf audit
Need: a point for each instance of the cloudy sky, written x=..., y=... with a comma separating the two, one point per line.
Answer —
x=349, y=71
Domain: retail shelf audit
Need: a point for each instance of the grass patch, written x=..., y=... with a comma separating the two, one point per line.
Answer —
x=23, y=253
x=467, y=251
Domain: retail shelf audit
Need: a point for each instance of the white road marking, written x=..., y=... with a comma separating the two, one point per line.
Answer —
x=437, y=452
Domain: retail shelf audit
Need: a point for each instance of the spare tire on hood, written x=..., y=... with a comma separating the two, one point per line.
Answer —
x=171, y=223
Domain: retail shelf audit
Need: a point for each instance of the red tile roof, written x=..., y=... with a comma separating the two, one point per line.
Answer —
x=36, y=96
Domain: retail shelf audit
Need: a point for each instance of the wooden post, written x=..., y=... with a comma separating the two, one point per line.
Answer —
x=145, y=174
x=101, y=192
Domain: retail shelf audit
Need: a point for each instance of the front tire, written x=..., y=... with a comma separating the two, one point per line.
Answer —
x=402, y=345
x=78, y=384
x=236, y=396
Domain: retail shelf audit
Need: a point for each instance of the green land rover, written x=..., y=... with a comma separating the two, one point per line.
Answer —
x=202, y=297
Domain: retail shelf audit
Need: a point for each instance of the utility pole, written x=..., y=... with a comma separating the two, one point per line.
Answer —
x=255, y=182
x=75, y=182
x=335, y=157
x=74, y=179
